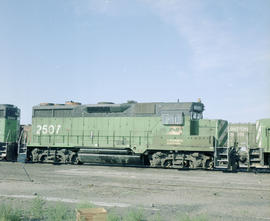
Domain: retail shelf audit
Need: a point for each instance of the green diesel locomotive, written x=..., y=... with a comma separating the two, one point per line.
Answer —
x=159, y=134
x=253, y=141
x=9, y=131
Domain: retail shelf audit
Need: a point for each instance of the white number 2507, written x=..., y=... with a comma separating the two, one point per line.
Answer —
x=48, y=129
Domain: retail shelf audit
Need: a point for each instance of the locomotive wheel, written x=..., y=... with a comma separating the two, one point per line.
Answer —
x=34, y=155
x=208, y=164
x=42, y=158
x=74, y=159
x=193, y=163
x=167, y=164
x=61, y=157
x=158, y=159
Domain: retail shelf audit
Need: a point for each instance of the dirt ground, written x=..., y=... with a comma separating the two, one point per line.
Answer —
x=167, y=192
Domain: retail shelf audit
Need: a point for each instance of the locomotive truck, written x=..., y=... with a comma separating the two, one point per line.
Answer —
x=158, y=134
x=9, y=131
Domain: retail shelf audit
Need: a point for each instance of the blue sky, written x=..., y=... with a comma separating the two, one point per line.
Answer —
x=144, y=50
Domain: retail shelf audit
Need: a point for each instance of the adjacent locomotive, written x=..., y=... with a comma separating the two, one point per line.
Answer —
x=9, y=131
x=156, y=134
x=253, y=141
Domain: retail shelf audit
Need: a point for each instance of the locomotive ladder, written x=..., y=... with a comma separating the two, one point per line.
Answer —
x=255, y=157
x=3, y=151
x=222, y=157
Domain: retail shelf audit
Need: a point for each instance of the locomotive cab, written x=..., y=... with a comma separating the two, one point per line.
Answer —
x=9, y=131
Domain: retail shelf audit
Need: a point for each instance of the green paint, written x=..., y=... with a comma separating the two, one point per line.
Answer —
x=139, y=127
x=263, y=134
x=9, y=125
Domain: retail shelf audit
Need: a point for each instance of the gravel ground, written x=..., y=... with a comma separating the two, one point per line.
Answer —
x=170, y=193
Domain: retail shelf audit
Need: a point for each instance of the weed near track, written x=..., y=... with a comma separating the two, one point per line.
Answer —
x=39, y=210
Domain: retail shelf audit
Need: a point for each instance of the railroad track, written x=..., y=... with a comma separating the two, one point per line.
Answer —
x=242, y=169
